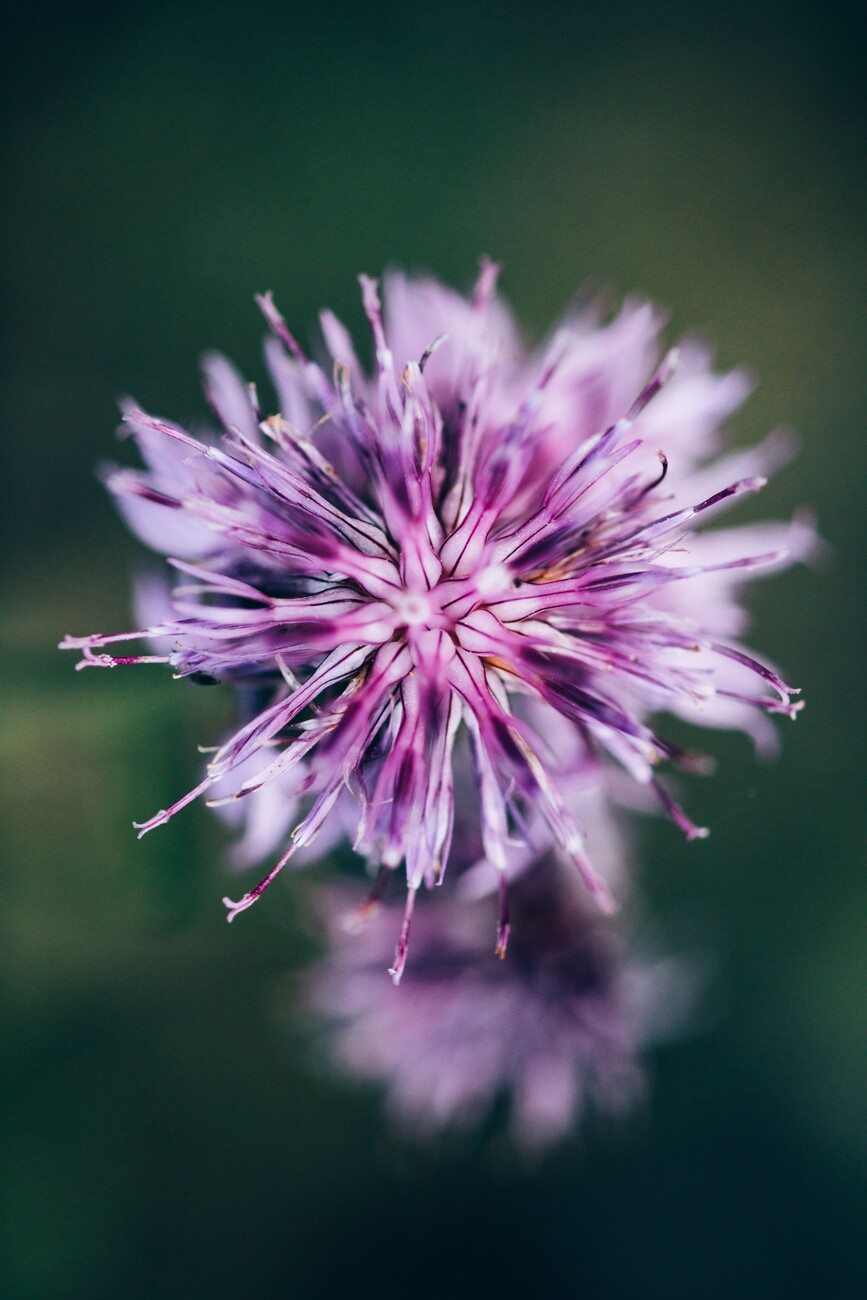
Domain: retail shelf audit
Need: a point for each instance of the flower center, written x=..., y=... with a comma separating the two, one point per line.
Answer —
x=413, y=608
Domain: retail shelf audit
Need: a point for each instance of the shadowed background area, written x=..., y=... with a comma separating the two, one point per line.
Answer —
x=161, y=1136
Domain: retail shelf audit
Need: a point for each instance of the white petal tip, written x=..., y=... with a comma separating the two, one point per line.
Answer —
x=241, y=906
x=144, y=827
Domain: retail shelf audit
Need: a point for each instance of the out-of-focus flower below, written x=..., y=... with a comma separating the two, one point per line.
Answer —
x=478, y=549
x=555, y=1031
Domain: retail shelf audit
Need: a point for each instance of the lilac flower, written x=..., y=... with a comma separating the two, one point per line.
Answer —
x=474, y=548
x=557, y=1029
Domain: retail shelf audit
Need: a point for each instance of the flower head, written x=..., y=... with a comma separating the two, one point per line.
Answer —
x=473, y=547
x=556, y=1031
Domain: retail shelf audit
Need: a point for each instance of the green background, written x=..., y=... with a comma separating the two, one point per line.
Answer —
x=161, y=1137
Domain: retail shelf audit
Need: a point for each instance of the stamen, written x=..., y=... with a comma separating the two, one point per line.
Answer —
x=504, y=927
x=165, y=814
x=669, y=365
x=651, y=487
x=396, y=969
x=250, y=898
x=430, y=350
x=677, y=815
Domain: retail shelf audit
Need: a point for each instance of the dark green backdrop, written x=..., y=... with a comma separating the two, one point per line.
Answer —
x=164, y=162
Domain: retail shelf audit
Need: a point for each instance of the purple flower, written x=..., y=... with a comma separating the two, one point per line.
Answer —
x=476, y=551
x=557, y=1029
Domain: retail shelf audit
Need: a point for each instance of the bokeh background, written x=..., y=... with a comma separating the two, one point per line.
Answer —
x=161, y=1136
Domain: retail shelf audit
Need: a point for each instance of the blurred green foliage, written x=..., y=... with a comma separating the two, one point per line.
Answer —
x=161, y=1136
